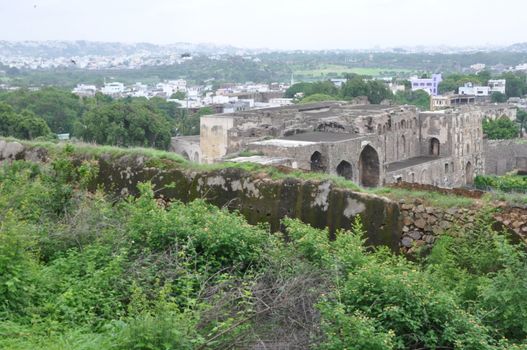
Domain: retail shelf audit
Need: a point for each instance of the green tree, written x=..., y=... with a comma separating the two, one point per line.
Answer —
x=24, y=125
x=516, y=85
x=317, y=98
x=378, y=92
x=498, y=97
x=500, y=129
x=452, y=82
x=297, y=88
x=179, y=95
x=29, y=126
x=125, y=123
x=354, y=87
x=59, y=108
x=319, y=87
x=188, y=124
x=417, y=98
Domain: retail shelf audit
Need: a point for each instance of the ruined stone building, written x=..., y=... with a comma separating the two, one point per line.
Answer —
x=371, y=145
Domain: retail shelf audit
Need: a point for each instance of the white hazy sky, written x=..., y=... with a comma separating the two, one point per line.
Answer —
x=280, y=24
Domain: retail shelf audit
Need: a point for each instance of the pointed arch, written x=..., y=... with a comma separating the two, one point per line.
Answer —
x=345, y=170
x=369, y=167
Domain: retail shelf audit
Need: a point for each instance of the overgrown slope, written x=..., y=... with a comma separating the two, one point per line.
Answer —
x=81, y=270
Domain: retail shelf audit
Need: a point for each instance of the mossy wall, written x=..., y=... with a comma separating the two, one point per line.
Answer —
x=255, y=195
x=258, y=197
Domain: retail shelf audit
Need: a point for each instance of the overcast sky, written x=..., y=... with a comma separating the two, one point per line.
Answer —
x=280, y=24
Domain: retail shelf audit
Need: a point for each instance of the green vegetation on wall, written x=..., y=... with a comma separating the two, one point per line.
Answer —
x=85, y=271
x=506, y=183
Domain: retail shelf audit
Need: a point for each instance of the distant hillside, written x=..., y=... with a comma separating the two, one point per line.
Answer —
x=518, y=47
x=51, y=49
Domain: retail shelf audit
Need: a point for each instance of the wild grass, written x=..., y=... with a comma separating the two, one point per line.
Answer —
x=164, y=160
x=431, y=198
x=55, y=147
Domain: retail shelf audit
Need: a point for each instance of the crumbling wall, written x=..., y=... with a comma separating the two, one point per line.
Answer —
x=187, y=146
x=503, y=156
x=259, y=198
x=422, y=224
x=214, y=141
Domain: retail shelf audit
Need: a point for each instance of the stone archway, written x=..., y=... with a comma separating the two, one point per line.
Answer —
x=317, y=162
x=369, y=167
x=469, y=174
x=196, y=157
x=345, y=170
x=402, y=144
x=185, y=155
x=434, y=147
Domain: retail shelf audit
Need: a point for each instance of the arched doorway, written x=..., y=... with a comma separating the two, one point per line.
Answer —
x=185, y=155
x=317, y=162
x=403, y=147
x=469, y=174
x=434, y=147
x=196, y=157
x=424, y=177
x=344, y=169
x=369, y=167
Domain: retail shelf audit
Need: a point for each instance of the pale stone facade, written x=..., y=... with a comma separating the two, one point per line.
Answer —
x=371, y=145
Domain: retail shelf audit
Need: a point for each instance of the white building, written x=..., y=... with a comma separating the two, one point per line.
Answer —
x=394, y=87
x=497, y=85
x=222, y=99
x=338, y=82
x=521, y=67
x=471, y=89
x=280, y=102
x=114, y=88
x=478, y=67
x=84, y=90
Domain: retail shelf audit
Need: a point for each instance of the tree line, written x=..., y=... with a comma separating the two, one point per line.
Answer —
x=101, y=119
x=375, y=91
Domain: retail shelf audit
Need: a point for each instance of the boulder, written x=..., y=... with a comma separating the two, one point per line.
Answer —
x=420, y=223
x=407, y=242
x=415, y=235
x=10, y=150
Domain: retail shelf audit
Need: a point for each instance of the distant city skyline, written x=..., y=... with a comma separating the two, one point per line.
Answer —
x=273, y=24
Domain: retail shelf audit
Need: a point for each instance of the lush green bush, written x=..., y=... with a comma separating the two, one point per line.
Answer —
x=86, y=271
x=317, y=98
x=506, y=183
x=500, y=129
x=23, y=125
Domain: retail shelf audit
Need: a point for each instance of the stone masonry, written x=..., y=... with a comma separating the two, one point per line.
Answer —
x=371, y=145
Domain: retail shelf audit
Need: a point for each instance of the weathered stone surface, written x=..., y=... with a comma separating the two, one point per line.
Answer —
x=420, y=223
x=10, y=150
x=419, y=243
x=415, y=235
x=407, y=242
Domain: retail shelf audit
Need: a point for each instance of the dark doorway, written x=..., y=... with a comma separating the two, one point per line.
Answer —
x=369, y=167
x=434, y=147
x=344, y=169
x=317, y=162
